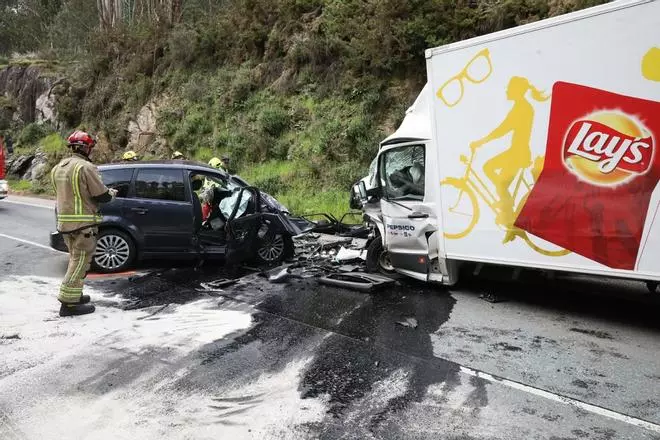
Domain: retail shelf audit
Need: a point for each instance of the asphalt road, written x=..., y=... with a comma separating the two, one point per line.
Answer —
x=555, y=359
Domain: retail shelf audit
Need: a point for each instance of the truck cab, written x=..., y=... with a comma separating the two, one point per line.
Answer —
x=400, y=198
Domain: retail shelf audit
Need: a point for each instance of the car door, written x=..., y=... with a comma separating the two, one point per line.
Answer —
x=408, y=218
x=118, y=179
x=162, y=210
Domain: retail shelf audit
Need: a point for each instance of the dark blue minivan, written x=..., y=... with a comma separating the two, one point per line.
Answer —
x=158, y=214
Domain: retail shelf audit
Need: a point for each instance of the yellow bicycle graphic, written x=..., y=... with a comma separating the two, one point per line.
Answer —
x=463, y=207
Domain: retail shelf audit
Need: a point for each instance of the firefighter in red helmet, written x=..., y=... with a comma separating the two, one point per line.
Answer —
x=79, y=190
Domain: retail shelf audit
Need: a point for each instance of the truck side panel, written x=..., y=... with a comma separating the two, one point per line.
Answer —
x=547, y=145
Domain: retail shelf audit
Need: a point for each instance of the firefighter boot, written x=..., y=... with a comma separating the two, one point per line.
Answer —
x=76, y=309
x=84, y=299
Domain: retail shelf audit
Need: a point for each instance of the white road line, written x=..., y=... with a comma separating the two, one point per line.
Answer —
x=31, y=243
x=34, y=205
x=565, y=400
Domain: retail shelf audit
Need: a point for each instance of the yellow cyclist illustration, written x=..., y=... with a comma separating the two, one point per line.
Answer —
x=651, y=64
x=503, y=168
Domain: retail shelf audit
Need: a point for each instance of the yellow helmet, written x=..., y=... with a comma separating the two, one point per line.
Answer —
x=216, y=163
x=130, y=155
x=177, y=155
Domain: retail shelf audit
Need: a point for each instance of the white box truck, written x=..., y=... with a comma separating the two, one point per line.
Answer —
x=537, y=146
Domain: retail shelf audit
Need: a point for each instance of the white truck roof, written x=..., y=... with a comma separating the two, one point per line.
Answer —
x=416, y=123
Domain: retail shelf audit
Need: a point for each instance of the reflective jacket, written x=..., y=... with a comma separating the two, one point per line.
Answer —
x=77, y=182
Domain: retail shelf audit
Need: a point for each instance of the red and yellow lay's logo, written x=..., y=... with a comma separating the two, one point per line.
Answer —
x=608, y=148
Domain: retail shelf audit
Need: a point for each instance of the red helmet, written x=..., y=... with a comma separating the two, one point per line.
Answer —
x=80, y=139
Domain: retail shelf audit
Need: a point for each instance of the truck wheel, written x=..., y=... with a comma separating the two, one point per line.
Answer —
x=275, y=250
x=378, y=259
x=115, y=251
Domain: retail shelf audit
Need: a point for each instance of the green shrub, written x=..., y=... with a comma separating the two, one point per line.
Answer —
x=53, y=144
x=273, y=185
x=274, y=120
x=32, y=133
x=20, y=185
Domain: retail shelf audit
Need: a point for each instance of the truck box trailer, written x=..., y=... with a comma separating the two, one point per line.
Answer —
x=534, y=147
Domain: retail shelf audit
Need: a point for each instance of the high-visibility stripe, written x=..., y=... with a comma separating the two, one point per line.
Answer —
x=69, y=297
x=52, y=178
x=75, y=182
x=72, y=290
x=64, y=218
x=81, y=265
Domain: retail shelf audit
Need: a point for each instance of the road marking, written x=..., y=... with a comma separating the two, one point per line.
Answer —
x=34, y=205
x=31, y=243
x=599, y=410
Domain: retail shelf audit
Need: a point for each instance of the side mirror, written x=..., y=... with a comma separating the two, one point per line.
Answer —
x=362, y=190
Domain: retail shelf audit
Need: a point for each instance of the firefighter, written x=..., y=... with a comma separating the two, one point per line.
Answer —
x=130, y=156
x=218, y=164
x=79, y=190
x=177, y=155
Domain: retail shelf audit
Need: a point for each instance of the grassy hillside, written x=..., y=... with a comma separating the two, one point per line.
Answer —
x=298, y=92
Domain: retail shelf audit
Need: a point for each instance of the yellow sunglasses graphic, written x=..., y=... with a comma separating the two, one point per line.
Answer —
x=477, y=70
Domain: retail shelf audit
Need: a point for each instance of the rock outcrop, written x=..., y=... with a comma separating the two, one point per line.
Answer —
x=24, y=85
x=143, y=132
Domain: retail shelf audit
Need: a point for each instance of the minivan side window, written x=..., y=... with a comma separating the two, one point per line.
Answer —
x=119, y=179
x=160, y=184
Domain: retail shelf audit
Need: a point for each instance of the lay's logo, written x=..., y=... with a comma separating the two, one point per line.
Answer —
x=608, y=148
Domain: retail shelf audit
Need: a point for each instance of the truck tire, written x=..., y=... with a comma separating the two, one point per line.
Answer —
x=378, y=259
x=115, y=251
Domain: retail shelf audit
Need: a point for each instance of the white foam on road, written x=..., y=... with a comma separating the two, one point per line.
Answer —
x=114, y=374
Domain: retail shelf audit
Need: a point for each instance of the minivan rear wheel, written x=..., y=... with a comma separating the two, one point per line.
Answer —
x=115, y=251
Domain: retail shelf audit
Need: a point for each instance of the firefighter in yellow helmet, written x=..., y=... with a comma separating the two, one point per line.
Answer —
x=217, y=163
x=79, y=190
x=130, y=155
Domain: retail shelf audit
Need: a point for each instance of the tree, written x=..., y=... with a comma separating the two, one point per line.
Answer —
x=113, y=12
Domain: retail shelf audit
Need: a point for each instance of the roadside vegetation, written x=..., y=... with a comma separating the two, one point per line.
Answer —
x=298, y=92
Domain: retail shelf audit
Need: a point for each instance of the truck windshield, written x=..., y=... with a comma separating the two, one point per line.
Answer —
x=402, y=173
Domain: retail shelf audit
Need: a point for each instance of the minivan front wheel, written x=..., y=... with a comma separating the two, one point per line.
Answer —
x=115, y=251
x=275, y=250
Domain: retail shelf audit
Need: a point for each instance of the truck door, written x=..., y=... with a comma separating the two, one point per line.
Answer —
x=408, y=219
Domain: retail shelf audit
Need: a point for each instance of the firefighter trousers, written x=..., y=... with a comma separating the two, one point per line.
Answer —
x=81, y=245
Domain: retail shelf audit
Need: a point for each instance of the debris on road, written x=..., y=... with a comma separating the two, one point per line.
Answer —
x=350, y=255
x=15, y=336
x=408, y=322
x=348, y=268
x=216, y=285
x=282, y=276
x=334, y=259
x=490, y=297
x=362, y=282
